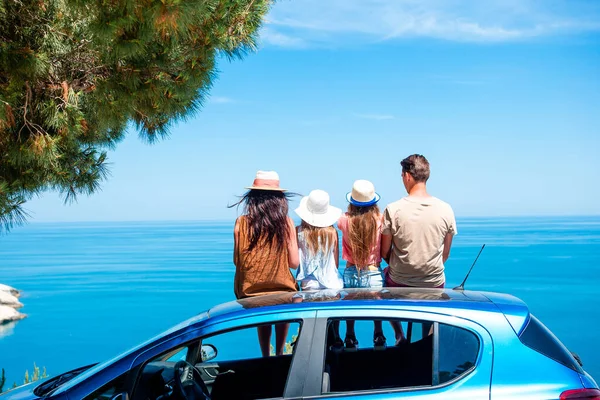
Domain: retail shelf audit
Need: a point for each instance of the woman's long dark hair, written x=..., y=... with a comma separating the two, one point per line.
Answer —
x=266, y=211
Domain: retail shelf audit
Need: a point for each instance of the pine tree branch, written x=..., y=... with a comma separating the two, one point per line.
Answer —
x=75, y=73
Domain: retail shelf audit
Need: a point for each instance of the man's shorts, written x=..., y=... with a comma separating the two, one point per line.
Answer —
x=390, y=283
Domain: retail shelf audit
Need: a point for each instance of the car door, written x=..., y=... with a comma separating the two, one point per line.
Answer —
x=449, y=358
x=240, y=371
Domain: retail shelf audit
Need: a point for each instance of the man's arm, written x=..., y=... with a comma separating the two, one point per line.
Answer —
x=386, y=236
x=449, y=235
x=447, y=245
x=386, y=247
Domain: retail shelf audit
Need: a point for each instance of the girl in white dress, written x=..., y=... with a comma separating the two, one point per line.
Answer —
x=318, y=247
x=318, y=243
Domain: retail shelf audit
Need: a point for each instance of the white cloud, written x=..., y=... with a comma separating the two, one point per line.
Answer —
x=300, y=23
x=272, y=37
x=375, y=117
x=221, y=100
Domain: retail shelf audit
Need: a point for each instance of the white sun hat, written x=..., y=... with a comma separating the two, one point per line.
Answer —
x=315, y=210
x=363, y=194
x=266, y=180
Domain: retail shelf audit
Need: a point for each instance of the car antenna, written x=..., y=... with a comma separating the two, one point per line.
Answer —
x=462, y=285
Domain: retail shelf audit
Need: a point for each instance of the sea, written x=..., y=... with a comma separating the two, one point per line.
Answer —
x=93, y=290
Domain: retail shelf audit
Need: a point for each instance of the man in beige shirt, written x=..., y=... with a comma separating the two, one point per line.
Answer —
x=417, y=231
x=417, y=235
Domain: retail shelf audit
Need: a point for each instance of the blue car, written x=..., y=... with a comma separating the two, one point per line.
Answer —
x=454, y=345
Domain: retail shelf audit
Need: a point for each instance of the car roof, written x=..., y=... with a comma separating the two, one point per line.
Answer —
x=515, y=310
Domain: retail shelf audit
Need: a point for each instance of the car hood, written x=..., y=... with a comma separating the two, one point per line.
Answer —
x=24, y=392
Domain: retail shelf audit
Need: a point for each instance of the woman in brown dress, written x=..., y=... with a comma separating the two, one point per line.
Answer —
x=265, y=248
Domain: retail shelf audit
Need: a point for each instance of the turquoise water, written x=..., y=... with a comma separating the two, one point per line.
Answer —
x=94, y=290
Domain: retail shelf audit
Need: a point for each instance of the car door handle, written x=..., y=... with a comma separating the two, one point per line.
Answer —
x=211, y=372
x=229, y=371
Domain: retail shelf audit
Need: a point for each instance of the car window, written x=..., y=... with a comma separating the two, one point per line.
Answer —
x=243, y=344
x=413, y=362
x=178, y=356
x=458, y=351
x=239, y=369
x=109, y=390
x=539, y=338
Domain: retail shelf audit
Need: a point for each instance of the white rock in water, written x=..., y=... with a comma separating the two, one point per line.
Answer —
x=7, y=299
x=7, y=328
x=8, y=314
x=10, y=290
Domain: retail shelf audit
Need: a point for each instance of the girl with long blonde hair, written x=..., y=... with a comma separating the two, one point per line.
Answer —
x=361, y=228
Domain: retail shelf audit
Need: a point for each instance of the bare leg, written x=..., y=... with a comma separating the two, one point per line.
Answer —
x=350, y=341
x=281, y=332
x=350, y=328
x=378, y=327
x=398, y=332
x=264, y=339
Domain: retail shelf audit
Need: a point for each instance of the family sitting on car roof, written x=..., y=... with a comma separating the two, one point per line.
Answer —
x=413, y=235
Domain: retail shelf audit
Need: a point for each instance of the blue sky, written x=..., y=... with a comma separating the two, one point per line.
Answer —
x=502, y=96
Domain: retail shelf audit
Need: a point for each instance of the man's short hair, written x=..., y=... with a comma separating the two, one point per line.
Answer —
x=417, y=166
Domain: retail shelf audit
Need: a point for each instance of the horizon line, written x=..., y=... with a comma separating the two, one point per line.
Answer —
x=295, y=217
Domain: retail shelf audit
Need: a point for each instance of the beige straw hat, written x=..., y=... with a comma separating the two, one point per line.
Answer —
x=363, y=194
x=266, y=180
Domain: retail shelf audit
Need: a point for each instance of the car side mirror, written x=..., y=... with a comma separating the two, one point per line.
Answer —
x=120, y=396
x=208, y=352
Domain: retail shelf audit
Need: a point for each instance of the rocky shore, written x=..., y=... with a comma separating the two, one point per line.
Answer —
x=9, y=304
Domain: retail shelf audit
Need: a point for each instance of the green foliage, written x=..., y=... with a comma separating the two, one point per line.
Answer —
x=36, y=375
x=289, y=346
x=75, y=73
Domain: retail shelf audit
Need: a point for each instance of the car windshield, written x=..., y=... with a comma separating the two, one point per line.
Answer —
x=99, y=367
